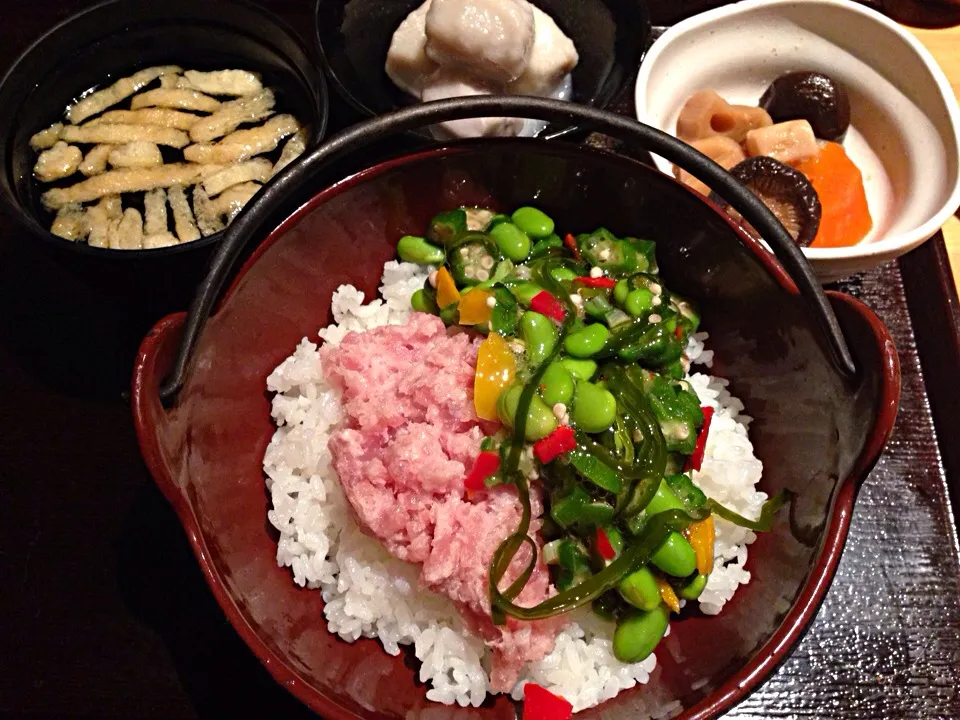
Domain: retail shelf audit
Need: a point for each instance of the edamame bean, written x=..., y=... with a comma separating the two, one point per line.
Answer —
x=417, y=250
x=497, y=220
x=693, y=589
x=450, y=314
x=540, y=419
x=639, y=588
x=421, y=302
x=512, y=241
x=586, y=342
x=639, y=633
x=525, y=292
x=562, y=274
x=621, y=290
x=540, y=335
x=676, y=556
x=533, y=222
x=638, y=302
x=665, y=499
x=594, y=408
x=580, y=369
x=556, y=386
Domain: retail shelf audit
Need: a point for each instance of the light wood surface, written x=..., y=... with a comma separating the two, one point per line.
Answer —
x=945, y=46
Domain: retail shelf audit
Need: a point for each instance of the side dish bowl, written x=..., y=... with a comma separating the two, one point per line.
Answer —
x=817, y=430
x=114, y=39
x=610, y=37
x=905, y=123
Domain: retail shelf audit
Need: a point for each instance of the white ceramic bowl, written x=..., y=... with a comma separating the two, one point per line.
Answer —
x=905, y=124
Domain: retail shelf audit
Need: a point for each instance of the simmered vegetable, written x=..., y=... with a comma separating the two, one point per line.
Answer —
x=839, y=184
x=810, y=96
x=787, y=192
x=583, y=364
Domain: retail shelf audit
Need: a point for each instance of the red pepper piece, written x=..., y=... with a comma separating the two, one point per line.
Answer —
x=546, y=304
x=541, y=704
x=603, y=545
x=597, y=282
x=561, y=440
x=696, y=460
x=487, y=464
x=571, y=242
x=678, y=333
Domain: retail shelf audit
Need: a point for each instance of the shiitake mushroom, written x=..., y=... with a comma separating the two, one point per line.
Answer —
x=787, y=193
x=810, y=96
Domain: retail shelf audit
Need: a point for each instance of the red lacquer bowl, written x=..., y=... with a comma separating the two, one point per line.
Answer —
x=817, y=432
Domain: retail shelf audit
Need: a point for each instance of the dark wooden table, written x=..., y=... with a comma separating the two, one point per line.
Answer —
x=103, y=610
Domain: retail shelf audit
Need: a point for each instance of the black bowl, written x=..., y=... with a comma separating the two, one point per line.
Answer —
x=353, y=35
x=116, y=38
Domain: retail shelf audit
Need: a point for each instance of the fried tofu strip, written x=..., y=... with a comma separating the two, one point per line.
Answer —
x=292, y=149
x=160, y=240
x=208, y=220
x=244, y=144
x=69, y=223
x=155, y=212
x=224, y=82
x=121, y=89
x=58, y=162
x=112, y=205
x=95, y=161
x=97, y=224
x=136, y=155
x=127, y=232
x=176, y=98
x=232, y=115
x=46, y=139
x=252, y=170
x=123, y=134
x=233, y=200
x=164, y=117
x=183, y=220
x=117, y=182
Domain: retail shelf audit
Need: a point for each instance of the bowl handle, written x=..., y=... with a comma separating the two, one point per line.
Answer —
x=294, y=177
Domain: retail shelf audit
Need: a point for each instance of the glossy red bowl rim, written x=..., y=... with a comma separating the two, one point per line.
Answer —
x=145, y=398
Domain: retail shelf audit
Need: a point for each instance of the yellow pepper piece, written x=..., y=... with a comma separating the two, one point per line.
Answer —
x=496, y=368
x=447, y=293
x=701, y=536
x=668, y=596
x=473, y=307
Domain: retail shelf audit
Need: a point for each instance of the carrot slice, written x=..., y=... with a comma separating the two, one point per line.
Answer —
x=845, y=218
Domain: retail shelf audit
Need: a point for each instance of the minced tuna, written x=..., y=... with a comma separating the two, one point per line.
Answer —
x=408, y=438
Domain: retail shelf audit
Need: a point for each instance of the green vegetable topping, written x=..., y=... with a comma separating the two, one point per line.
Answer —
x=417, y=250
x=597, y=413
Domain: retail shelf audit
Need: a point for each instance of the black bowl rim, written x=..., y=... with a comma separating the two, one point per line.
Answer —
x=27, y=220
x=646, y=31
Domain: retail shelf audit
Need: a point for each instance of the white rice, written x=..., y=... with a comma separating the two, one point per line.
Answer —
x=369, y=593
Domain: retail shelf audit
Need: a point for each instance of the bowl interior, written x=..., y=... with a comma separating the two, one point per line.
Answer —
x=810, y=425
x=113, y=40
x=610, y=37
x=903, y=133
